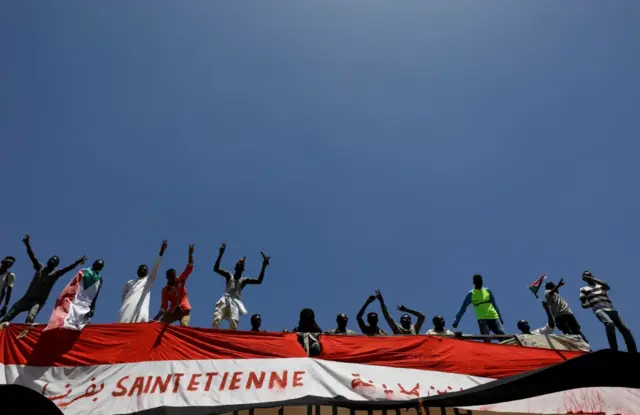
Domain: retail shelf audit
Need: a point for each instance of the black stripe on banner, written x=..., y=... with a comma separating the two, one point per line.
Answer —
x=599, y=369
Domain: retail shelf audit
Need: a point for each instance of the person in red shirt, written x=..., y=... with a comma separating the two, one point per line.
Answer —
x=175, y=301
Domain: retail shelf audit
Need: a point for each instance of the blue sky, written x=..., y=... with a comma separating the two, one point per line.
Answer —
x=401, y=146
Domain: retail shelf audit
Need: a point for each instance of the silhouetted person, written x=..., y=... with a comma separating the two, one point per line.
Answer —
x=342, y=321
x=175, y=300
x=41, y=284
x=523, y=325
x=7, y=278
x=230, y=307
x=565, y=319
x=136, y=295
x=405, y=326
x=439, y=328
x=485, y=307
x=596, y=296
x=370, y=329
x=308, y=327
x=256, y=321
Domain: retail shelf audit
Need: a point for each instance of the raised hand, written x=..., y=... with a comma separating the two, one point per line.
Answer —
x=265, y=259
x=164, y=246
x=455, y=324
x=402, y=308
x=26, y=239
x=223, y=247
x=378, y=295
x=82, y=260
x=192, y=247
x=561, y=282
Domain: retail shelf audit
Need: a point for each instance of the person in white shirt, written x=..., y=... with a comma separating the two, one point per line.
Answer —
x=523, y=325
x=136, y=295
x=439, y=328
x=6, y=282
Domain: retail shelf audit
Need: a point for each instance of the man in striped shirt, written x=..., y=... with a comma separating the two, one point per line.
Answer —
x=595, y=296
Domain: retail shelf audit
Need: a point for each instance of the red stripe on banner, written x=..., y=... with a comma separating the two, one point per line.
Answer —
x=100, y=344
x=441, y=354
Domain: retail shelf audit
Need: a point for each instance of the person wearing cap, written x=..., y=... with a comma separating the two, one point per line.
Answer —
x=7, y=279
x=342, y=321
x=439, y=328
x=523, y=325
x=595, y=295
x=370, y=329
x=230, y=306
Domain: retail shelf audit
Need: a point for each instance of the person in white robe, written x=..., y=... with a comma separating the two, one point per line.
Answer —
x=136, y=296
x=230, y=306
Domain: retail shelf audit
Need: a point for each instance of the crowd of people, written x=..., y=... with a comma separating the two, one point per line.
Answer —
x=76, y=305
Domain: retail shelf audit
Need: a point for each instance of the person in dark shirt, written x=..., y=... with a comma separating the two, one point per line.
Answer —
x=256, y=321
x=342, y=321
x=372, y=328
x=40, y=287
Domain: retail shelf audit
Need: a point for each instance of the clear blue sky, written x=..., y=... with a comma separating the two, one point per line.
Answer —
x=366, y=144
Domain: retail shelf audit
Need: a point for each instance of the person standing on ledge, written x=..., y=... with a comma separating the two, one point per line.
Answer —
x=484, y=304
x=405, y=326
x=175, y=300
x=439, y=328
x=370, y=329
x=136, y=295
x=256, y=322
x=230, y=306
x=595, y=295
x=565, y=319
x=41, y=284
x=341, y=321
x=6, y=282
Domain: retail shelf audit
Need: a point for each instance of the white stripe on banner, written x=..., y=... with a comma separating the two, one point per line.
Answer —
x=133, y=387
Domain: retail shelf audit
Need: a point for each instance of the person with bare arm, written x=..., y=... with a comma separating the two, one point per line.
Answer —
x=405, y=326
x=230, y=306
x=7, y=279
x=565, y=319
x=136, y=295
x=370, y=329
x=43, y=281
x=175, y=300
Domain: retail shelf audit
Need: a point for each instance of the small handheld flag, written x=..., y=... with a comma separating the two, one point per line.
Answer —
x=535, y=287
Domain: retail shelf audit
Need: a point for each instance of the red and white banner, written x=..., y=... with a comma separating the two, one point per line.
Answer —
x=102, y=371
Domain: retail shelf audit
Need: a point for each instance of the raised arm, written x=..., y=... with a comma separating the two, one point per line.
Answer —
x=463, y=308
x=7, y=289
x=187, y=271
x=68, y=268
x=385, y=312
x=361, y=323
x=32, y=256
x=420, y=317
x=216, y=266
x=265, y=264
x=156, y=265
x=495, y=305
x=555, y=289
x=550, y=322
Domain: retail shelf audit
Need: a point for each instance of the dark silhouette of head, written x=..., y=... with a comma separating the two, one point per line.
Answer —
x=307, y=322
x=143, y=271
x=239, y=268
x=7, y=262
x=171, y=277
x=405, y=321
x=97, y=266
x=477, y=281
x=372, y=319
x=549, y=286
x=256, y=321
x=342, y=320
x=586, y=277
x=53, y=262
x=523, y=326
x=438, y=323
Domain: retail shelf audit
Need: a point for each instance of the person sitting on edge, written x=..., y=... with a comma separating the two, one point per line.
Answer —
x=256, y=321
x=230, y=306
x=372, y=328
x=136, y=295
x=342, y=321
x=439, y=328
x=523, y=325
x=405, y=326
x=565, y=319
x=595, y=295
x=484, y=303
x=41, y=284
x=7, y=279
x=175, y=300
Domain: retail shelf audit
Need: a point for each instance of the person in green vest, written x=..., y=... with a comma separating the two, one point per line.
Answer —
x=484, y=304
